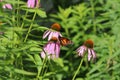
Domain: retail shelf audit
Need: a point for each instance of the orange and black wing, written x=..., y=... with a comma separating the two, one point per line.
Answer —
x=65, y=41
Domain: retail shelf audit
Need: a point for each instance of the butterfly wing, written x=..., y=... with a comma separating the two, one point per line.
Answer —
x=65, y=41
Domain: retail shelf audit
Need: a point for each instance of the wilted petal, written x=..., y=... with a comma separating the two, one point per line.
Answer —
x=81, y=50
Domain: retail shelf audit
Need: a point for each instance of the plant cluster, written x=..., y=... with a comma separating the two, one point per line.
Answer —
x=82, y=41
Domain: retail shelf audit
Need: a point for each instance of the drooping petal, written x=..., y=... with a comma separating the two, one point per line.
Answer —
x=89, y=54
x=57, y=50
x=7, y=6
x=52, y=50
x=93, y=54
x=46, y=33
x=49, y=50
x=50, y=36
x=81, y=50
x=46, y=49
x=42, y=54
x=31, y=3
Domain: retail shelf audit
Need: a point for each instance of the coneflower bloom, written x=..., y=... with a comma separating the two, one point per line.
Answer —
x=87, y=46
x=32, y=3
x=7, y=6
x=51, y=49
x=53, y=32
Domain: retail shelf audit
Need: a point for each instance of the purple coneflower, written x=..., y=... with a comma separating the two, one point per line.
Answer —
x=51, y=49
x=87, y=46
x=32, y=3
x=7, y=6
x=53, y=32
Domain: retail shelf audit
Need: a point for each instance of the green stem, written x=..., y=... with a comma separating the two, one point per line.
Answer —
x=24, y=19
x=44, y=63
x=66, y=31
x=30, y=27
x=77, y=69
x=66, y=28
x=93, y=15
x=18, y=14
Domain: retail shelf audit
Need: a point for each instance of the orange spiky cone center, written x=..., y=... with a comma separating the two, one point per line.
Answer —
x=56, y=27
x=89, y=43
x=54, y=39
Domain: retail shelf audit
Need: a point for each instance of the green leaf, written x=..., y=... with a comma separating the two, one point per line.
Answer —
x=59, y=61
x=41, y=13
x=24, y=72
x=38, y=62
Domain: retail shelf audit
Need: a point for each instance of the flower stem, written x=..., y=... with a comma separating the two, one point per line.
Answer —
x=18, y=18
x=93, y=15
x=24, y=18
x=44, y=64
x=77, y=69
x=30, y=27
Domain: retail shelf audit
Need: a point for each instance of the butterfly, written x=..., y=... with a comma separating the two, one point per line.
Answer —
x=65, y=41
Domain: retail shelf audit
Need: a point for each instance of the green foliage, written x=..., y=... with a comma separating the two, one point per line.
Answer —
x=21, y=41
x=99, y=21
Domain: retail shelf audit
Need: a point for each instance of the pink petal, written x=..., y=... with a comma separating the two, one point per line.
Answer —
x=46, y=33
x=55, y=34
x=48, y=47
x=50, y=36
x=7, y=6
x=89, y=54
x=93, y=54
x=57, y=50
x=81, y=50
x=31, y=3
x=42, y=54
x=52, y=48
